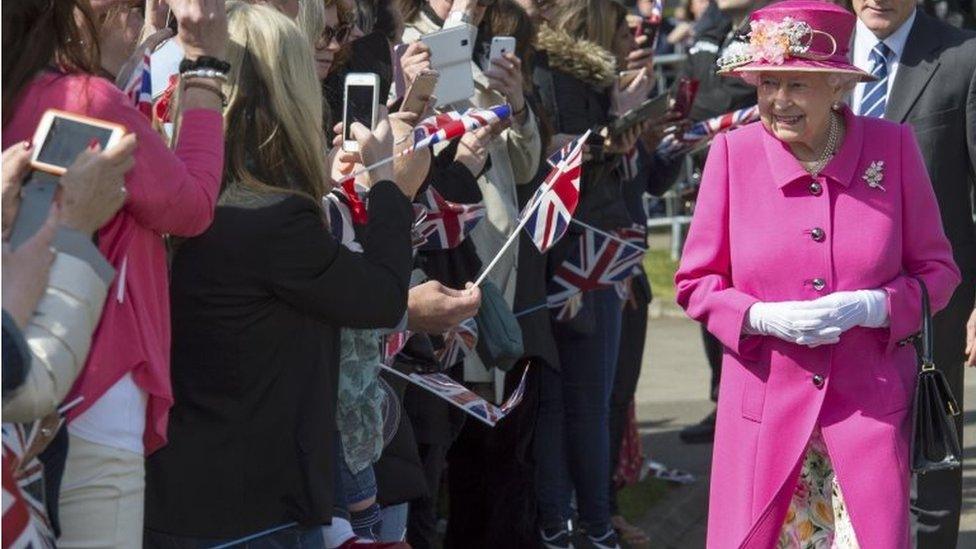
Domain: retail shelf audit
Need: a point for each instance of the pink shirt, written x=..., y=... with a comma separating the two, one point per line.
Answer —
x=170, y=192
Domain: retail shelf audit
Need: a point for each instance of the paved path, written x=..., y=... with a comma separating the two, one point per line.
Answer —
x=673, y=393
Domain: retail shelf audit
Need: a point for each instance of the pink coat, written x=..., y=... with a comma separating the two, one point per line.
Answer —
x=752, y=240
x=170, y=192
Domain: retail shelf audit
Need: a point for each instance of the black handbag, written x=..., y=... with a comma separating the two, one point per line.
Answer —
x=935, y=440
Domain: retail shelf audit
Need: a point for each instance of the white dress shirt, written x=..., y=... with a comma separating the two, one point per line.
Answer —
x=864, y=42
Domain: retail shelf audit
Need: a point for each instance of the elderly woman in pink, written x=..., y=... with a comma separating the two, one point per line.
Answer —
x=812, y=231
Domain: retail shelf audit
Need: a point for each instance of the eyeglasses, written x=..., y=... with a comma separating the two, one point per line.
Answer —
x=340, y=34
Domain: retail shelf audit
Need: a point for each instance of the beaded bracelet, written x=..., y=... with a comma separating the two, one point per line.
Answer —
x=205, y=73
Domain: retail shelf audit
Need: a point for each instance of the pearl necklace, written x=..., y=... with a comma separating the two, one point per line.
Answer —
x=829, y=150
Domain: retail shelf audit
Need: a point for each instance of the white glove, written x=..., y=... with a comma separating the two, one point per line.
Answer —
x=845, y=310
x=791, y=321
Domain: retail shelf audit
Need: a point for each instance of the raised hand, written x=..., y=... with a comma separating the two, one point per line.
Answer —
x=203, y=27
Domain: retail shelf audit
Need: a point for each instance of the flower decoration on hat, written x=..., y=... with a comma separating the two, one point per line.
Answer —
x=773, y=42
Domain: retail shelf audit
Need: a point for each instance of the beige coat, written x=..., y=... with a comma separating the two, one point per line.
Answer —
x=59, y=336
x=515, y=155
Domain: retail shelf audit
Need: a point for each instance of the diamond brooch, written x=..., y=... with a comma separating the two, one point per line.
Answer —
x=874, y=174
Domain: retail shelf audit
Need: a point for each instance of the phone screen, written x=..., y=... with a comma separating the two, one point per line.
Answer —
x=67, y=139
x=359, y=107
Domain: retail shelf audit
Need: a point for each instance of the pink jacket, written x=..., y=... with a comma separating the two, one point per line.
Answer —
x=170, y=192
x=752, y=240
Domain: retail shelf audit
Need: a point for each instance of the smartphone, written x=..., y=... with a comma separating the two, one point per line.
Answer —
x=450, y=55
x=651, y=109
x=36, y=197
x=684, y=97
x=625, y=78
x=419, y=93
x=61, y=136
x=500, y=45
x=648, y=28
x=359, y=104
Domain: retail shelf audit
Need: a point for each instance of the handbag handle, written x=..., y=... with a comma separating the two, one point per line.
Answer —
x=928, y=362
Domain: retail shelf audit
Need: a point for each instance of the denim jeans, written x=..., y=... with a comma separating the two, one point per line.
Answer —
x=359, y=486
x=293, y=537
x=572, y=443
x=394, y=524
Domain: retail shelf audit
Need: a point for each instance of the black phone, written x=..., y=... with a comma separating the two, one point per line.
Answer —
x=654, y=108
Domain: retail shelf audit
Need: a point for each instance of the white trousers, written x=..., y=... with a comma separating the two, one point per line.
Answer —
x=102, y=497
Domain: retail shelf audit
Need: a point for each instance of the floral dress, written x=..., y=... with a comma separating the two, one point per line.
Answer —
x=817, y=517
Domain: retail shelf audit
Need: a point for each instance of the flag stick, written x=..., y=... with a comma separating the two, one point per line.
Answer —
x=524, y=218
x=611, y=236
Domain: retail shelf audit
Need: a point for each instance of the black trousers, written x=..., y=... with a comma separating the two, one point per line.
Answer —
x=490, y=477
x=633, y=333
x=942, y=490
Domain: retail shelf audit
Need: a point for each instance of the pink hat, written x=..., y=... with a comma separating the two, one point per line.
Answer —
x=794, y=35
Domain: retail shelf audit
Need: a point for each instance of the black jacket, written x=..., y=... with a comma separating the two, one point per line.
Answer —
x=935, y=91
x=257, y=302
x=716, y=94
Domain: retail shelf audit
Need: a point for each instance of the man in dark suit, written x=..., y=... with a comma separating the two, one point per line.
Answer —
x=927, y=78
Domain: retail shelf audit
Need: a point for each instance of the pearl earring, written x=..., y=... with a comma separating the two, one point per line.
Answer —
x=837, y=105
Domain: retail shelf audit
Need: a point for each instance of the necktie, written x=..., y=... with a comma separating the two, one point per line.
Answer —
x=876, y=93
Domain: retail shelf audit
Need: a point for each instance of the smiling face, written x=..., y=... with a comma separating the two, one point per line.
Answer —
x=884, y=17
x=795, y=106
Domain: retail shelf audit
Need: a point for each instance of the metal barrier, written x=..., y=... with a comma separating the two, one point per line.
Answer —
x=672, y=218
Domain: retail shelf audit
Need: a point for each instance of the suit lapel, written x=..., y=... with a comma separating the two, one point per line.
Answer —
x=918, y=63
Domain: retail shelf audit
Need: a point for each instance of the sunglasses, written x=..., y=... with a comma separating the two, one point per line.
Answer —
x=340, y=34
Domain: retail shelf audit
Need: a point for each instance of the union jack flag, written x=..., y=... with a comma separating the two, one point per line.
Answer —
x=339, y=217
x=139, y=86
x=551, y=208
x=25, y=522
x=446, y=388
x=657, y=12
x=458, y=343
x=598, y=261
x=450, y=125
x=420, y=231
x=394, y=343
x=702, y=132
x=447, y=223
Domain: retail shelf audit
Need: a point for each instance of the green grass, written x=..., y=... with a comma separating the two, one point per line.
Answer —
x=636, y=500
x=660, y=271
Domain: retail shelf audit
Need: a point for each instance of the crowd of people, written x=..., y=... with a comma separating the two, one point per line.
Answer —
x=229, y=330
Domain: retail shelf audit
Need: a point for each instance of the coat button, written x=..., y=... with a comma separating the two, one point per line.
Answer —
x=819, y=284
x=818, y=234
x=818, y=381
x=816, y=189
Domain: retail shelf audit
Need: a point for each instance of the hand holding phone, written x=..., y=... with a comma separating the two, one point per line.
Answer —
x=418, y=95
x=500, y=45
x=360, y=103
x=61, y=136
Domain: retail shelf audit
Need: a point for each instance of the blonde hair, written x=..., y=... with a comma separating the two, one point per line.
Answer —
x=273, y=134
x=593, y=20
